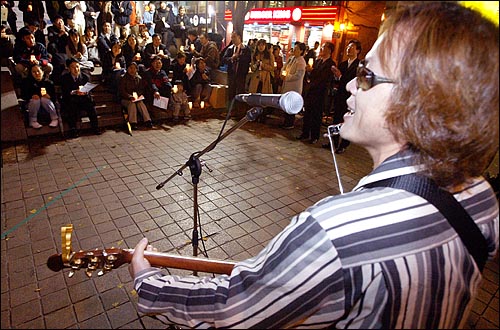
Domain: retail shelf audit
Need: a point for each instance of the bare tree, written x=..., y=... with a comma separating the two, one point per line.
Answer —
x=239, y=9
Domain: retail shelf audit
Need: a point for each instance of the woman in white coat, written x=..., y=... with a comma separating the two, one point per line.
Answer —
x=293, y=77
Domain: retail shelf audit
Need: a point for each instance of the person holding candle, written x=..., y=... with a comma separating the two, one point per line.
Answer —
x=180, y=70
x=133, y=52
x=157, y=81
x=132, y=96
x=200, y=84
x=293, y=77
x=260, y=79
x=40, y=93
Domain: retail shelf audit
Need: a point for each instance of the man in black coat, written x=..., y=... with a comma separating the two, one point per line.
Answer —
x=314, y=101
x=74, y=101
x=343, y=74
x=105, y=40
x=238, y=58
x=157, y=49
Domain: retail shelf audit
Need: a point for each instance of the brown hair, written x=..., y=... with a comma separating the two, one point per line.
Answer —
x=444, y=103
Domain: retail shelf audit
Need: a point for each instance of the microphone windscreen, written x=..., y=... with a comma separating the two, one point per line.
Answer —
x=291, y=102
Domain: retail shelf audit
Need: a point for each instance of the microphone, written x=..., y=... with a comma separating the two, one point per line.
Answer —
x=290, y=102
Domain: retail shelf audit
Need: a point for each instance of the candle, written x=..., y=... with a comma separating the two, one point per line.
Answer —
x=80, y=87
x=138, y=55
x=311, y=62
x=284, y=73
x=160, y=52
x=181, y=48
x=190, y=104
x=188, y=67
x=30, y=8
x=134, y=95
x=191, y=47
x=43, y=91
x=32, y=58
x=175, y=89
x=275, y=64
x=202, y=104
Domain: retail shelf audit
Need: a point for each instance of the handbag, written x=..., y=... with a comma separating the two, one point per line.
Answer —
x=458, y=218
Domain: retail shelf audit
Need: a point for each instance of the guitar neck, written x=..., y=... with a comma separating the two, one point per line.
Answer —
x=182, y=262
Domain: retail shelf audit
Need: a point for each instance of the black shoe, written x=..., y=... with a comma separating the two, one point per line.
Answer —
x=325, y=145
x=340, y=151
x=149, y=124
x=134, y=126
x=97, y=131
x=302, y=137
x=313, y=141
x=74, y=133
x=287, y=127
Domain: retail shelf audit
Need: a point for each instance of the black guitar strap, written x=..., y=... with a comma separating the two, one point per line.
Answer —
x=444, y=201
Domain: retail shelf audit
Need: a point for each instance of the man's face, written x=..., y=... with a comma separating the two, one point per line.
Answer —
x=181, y=60
x=74, y=69
x=235, y=39
x=106, y=28
x=203, y=40
x=365, y=123
x=132, y=70
x=351, y=51
x=59, y=24
x=156, y=41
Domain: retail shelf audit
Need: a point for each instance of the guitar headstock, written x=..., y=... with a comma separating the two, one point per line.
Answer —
x=103, y=260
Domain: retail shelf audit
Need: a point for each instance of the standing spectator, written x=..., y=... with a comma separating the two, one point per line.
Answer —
x=11, y=15
x=343, y=74
x=28, y=52
x=376, y=257
x=193, y=44
x=312, y=52
x=133, y=52
x=157, y=49
x=106, y=40
x=200, y=84
x=210, y=54
x=54, y=9
x=148, y=16
x=164, y=20
x=277, y=80
x=77, y=49
x=6, y=45
x=181, y=27
x=238, y=58
x=135, y=18
x=131, y=93
x=157, y=81
x=260, y=79
x=40, y=93
x=314, y=101
x=75, y=17
x=105, y=16
x=93, y=9
x=121, y=16
x=90, y=40
x=179, y=70
x=113, y=67
x=180, y=102
x=75, y=101
x=293, y=77
x=32, y=10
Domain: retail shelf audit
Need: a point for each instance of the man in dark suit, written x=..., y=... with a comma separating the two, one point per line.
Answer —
x=74, y=101
x=343, y=74
x=238, y=58
x=105, y=40
x=157, y=49
x=314, y=101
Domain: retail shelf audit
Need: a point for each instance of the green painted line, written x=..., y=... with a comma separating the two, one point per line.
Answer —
x=4, y=234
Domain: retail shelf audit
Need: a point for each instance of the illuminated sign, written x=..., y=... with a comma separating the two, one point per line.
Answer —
x=311, y=15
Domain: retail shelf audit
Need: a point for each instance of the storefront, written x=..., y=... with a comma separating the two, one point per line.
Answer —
x=288, y=25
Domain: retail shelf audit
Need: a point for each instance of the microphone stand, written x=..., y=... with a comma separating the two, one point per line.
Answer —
x=195, y=166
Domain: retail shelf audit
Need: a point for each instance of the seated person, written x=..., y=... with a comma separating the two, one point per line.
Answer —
x=179, y=70
x=74, y=101
x=90, y=40
x=200, y=84
x=77, y=49
x=133, y=52
x=105, y=40
x=144, y=37
x=40, y=93
x=157, y=82
x=28, y=52
x=113, y=66
x=131, y=93
x=180, y=101
x=57, y=35
x=157, y=49
x=34, y=26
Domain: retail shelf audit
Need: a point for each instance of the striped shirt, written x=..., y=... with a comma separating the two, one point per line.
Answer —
x=371, y=258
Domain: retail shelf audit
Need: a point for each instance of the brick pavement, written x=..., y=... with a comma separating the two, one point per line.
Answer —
x=106, y=187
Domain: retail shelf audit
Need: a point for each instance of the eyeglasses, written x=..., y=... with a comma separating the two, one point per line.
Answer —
x=366, y=78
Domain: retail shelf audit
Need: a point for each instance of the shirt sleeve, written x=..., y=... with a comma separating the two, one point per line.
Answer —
x=294, y=276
